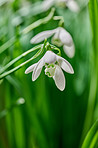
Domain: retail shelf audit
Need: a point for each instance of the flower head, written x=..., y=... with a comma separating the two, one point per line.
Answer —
x=47, y=4
x=71, y=4
x=53, y=68
x=61, y=38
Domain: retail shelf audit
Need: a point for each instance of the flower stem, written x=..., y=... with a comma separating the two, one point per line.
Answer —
x=61, y=20
x=28, y=29
x=39, y=22
x=22, y=64
x=93, y=11
x=18, y=58
x=55, y=48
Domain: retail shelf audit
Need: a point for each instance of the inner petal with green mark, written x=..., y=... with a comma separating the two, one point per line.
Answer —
x=56, y=41
x=50, y=70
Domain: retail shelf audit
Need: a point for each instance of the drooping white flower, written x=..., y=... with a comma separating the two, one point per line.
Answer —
x=47, y=4
x=61, y=38
x=53, y=68
x=71, y=4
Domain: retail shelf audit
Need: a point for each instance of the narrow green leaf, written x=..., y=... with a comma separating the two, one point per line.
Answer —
x=28, y=29
x=39, y=22
x=90, y=135
x=94, y=142
x=8, y=44
x=19, y=57
x=21, y=65
x=93, y=10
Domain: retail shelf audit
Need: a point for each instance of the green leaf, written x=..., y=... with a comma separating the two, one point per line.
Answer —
x=90, y=135
x=39, y=22
x=93, y=10
x=19, y=57
x=32, y=26
x=22, y=64
x=8, y=44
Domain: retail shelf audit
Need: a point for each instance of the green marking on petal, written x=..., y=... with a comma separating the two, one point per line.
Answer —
x=50, y=70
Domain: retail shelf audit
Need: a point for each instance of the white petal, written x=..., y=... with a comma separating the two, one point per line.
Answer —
x=69, y=50
x=49, y=57
x=55, y=39
x=37, y=69
x=59, y=78
x=60, y=1
x=30, y=68
x=47, y=4
x=41, y=36
x=65, y=65
x=73, y=6
x=65, y=37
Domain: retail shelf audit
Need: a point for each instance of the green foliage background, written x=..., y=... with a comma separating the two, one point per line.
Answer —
x=48, y=118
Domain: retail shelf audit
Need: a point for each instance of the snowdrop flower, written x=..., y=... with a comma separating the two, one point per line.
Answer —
x=71, y=4
x=53, y=68
x=61, y=38
x=47, y=4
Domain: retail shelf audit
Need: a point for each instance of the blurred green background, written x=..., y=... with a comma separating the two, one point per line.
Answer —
x=47, y=118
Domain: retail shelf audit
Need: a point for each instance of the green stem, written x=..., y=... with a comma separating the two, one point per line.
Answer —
x=39, y=22
x=19, y=57
x=55, y=48
x=61, y=20
x=21, y=65
x=28, y=29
